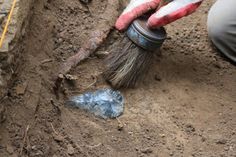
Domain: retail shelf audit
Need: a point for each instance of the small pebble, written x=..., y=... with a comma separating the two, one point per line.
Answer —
x=147, y=150
x=221, y=141
x=70, y=46
x=203, y=139
x=60, y=40
x=10, y=149
x=58, y=138
x=157, y=77
x=149, y=138
x=71, y=77
x=70, y=149
x=85, y=1
x=120, y=127
x=102, y=54
x=39, y=153
x=226, y=148
x=189, y=128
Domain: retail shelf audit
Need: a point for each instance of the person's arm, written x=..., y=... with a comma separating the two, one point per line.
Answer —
x=171, y=11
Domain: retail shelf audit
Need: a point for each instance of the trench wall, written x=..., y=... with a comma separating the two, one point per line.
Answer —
x=16, y=31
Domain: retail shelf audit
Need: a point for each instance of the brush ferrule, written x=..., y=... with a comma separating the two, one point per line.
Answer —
x=142, y=36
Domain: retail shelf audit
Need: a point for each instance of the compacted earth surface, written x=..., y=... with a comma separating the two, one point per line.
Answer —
x=185, y=106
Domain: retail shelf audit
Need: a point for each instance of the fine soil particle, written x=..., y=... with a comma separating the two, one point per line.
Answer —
x=184, y=107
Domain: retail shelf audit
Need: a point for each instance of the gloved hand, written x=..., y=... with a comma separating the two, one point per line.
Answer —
x=167, y=13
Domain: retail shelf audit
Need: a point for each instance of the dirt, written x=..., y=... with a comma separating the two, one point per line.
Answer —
x=184, y=107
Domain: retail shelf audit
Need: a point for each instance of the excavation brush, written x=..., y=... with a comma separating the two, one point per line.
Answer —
x=131, y=60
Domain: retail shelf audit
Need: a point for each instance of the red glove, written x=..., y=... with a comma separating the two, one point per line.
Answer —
x=166, y=14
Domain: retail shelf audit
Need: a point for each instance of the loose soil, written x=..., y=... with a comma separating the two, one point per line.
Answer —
x=184, y=107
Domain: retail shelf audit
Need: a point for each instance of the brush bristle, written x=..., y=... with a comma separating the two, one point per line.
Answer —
x=127, y=64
